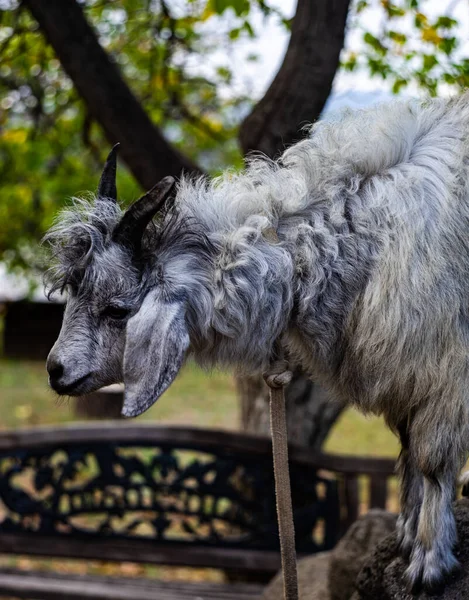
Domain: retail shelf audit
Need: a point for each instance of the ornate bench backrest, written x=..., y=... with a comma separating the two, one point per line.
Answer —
x=165, y=485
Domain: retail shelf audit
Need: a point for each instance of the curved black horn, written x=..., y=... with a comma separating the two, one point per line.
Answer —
x=131, y=227
x=107, y=188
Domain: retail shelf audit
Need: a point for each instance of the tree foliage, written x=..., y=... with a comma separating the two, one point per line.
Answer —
x=176, y=59
x=50, y=148
x=410, y=45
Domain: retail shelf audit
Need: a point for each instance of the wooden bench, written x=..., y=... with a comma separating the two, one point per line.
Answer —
x=163, y=495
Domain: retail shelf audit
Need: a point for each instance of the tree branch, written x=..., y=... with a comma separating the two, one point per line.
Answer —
x=108, y=98
x=303, y=83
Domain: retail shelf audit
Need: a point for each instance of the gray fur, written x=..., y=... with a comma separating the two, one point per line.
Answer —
x=354, y=247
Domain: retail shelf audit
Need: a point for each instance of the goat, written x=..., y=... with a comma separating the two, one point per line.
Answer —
x=352, y=249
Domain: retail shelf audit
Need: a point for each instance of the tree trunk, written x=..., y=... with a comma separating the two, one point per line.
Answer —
x=303, y=83
x=108, y=98
x=311, y=412
x=296, y=96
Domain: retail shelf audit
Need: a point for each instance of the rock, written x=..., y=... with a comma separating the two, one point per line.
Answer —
x=382, y=576
x=312, y=579
x=331, y=575
x=353, y=549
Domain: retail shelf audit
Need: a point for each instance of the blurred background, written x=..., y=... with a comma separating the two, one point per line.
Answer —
x=191, y=85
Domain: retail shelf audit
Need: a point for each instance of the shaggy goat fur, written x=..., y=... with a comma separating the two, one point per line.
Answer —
x=353, y=247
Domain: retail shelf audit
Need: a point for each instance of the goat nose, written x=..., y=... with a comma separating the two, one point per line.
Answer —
x=55, y=369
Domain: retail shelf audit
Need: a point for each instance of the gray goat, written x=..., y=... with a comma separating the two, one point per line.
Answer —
x=352, y=248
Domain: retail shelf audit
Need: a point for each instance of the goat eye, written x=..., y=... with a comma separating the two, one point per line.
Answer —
x=115, y=312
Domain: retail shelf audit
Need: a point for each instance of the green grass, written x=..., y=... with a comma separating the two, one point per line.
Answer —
x=355, y=433
x=195, y=398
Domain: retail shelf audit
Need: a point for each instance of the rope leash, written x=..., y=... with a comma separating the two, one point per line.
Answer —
x=277, y=377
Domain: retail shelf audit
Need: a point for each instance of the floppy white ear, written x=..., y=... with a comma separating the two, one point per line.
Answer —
x=156, y=344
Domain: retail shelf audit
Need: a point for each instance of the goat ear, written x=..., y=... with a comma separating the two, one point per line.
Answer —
x=156, y=344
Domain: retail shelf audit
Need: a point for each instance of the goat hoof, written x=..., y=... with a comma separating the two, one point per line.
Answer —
x=427, y=574
x=415, y=587
x=435, y=587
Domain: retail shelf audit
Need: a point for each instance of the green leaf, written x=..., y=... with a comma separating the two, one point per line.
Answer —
x=445, y=22
x=392, y=10
x=225, y=74
x=248, y=28
x=448, y=44
x=375, y=43
x=378, y=67
x=449, y=78
x=429, y=61
x=397, y=37
x=234, y=33
x=241, y=7
x=361, y=5
x=420, y=20
x=350, y=63
x=398, y=85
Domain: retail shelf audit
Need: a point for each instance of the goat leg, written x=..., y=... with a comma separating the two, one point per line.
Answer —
x=436, y=448
x=411, y=494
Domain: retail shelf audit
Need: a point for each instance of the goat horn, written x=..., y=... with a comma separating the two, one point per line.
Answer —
x=131, y=227
x=107, y=188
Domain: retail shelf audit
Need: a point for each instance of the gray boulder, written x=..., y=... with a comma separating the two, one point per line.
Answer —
x=331, y=575
x=312, y=579
x=350, y=554
x=382, y=576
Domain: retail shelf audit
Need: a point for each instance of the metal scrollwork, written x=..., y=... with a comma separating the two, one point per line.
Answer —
x=160, y=492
